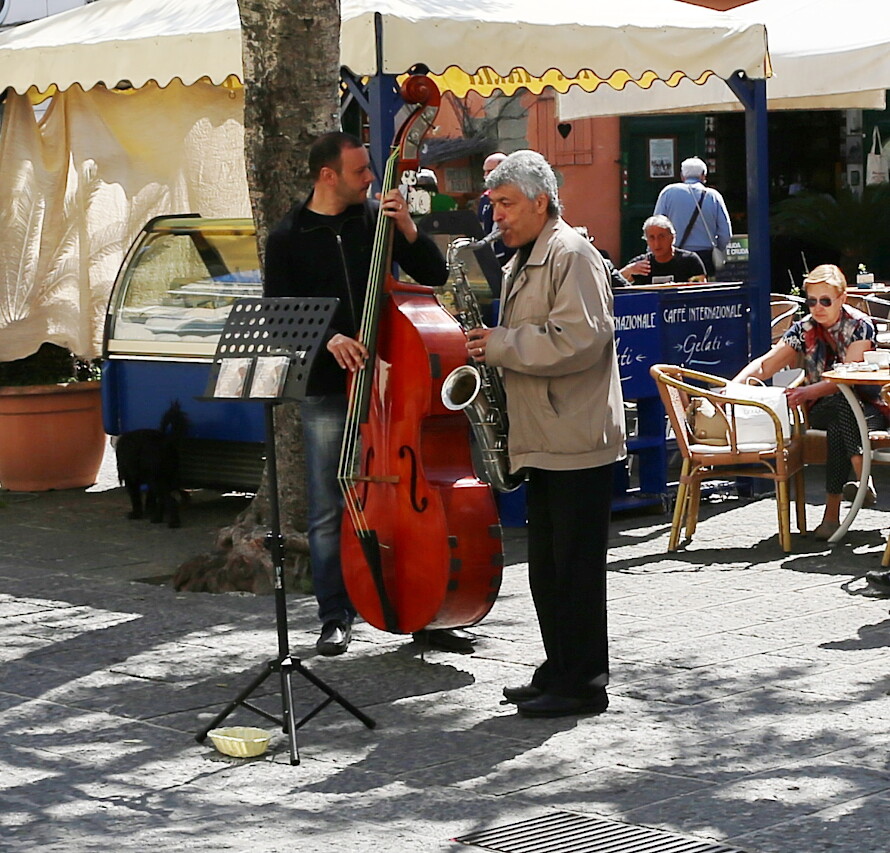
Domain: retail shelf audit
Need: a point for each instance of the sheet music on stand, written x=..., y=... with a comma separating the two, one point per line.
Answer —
x=267, y=348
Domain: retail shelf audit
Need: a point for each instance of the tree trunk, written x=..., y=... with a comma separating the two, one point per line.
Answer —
x=291, y=76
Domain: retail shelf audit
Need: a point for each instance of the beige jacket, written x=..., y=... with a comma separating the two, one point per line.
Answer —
x=556, y=346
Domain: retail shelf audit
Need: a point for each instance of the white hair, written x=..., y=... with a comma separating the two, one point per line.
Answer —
x=532, y=174
x=693, y=167
x=659, y=221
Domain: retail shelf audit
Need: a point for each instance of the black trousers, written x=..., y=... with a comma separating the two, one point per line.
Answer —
x=834, y=415
x=568, y=534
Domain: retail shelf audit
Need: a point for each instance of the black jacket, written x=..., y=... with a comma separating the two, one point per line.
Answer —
x=306, y=257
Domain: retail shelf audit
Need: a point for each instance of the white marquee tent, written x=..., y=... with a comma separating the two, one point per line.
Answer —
x=113, y=40
x=825, y=55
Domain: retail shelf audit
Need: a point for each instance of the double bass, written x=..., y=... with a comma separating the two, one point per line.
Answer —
x=421, y=543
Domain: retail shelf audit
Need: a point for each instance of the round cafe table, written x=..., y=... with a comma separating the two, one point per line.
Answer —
x=845, y=378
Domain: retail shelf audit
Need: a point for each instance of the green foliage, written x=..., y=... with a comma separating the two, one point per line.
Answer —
x=856, y=226
x=50, y=365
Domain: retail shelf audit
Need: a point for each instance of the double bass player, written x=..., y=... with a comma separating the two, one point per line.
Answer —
x=323, y=248
x=555, y=345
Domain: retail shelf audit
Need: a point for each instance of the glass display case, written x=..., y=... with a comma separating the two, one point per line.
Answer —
x=167, y=309
x=178, y=283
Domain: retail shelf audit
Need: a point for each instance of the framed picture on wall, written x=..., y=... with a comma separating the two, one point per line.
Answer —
x=662, y=156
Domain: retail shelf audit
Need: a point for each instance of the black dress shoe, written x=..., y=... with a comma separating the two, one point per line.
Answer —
x=550, y=705
x=880, y=579
x=334, y=639
x=522, y=693
x=446, y=639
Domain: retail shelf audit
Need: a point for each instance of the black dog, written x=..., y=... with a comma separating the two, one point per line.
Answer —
x=150, y=458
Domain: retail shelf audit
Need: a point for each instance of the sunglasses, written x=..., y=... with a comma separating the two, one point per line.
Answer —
x=824, y=301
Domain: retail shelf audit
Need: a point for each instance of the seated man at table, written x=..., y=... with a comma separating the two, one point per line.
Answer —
x=663, y=260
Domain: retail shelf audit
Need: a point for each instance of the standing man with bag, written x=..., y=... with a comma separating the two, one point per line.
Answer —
x=698, y=212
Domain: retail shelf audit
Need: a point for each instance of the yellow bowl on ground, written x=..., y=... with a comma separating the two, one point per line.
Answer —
x=240, y=741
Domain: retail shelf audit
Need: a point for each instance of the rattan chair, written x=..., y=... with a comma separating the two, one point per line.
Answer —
x=780, y=460
x=878, y=309
x=783, y=312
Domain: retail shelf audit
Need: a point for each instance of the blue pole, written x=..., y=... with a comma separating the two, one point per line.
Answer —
x=752, y=94
x=384, y=103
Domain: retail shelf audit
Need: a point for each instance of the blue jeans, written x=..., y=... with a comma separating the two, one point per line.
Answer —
x=323, y=420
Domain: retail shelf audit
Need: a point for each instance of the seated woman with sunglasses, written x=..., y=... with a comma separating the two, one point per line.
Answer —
x=830, y=334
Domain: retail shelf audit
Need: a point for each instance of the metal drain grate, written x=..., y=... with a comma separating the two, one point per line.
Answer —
x=569, y=833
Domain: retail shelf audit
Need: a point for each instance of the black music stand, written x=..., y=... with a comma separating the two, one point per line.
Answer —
x=266, y=352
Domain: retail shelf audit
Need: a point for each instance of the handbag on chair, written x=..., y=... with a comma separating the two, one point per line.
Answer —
x=707, y=422
x=753, y=424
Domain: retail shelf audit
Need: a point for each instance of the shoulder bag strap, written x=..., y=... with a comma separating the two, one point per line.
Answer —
x=692, y=219
x=698, y=210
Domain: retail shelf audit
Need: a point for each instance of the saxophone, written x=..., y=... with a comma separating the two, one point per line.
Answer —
x=478, y=391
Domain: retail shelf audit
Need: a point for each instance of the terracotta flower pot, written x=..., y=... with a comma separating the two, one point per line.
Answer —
x=51, y=436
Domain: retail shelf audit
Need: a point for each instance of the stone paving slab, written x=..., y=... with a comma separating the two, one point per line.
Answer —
x=750, y=699
x=771, y=797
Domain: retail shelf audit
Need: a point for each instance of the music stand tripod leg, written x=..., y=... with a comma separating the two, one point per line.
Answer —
x=287, y=698
x=333, y=696
x=238, y=700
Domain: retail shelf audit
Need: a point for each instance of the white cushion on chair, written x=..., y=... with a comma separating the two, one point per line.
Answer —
x=744, y=447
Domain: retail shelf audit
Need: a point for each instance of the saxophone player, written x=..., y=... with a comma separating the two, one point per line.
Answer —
x=555, y=346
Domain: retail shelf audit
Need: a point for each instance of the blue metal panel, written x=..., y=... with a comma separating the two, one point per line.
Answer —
x=638, y=341
x=384, y=103
x=706, y=331
x=136, y=393
x=703, y=329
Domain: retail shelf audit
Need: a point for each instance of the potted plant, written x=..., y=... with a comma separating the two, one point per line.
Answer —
x=51, y=434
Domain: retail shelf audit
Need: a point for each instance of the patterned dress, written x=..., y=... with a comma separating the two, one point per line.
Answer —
x=820, y=349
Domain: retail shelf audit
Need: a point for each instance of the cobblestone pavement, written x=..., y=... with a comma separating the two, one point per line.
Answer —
x=749, y=697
